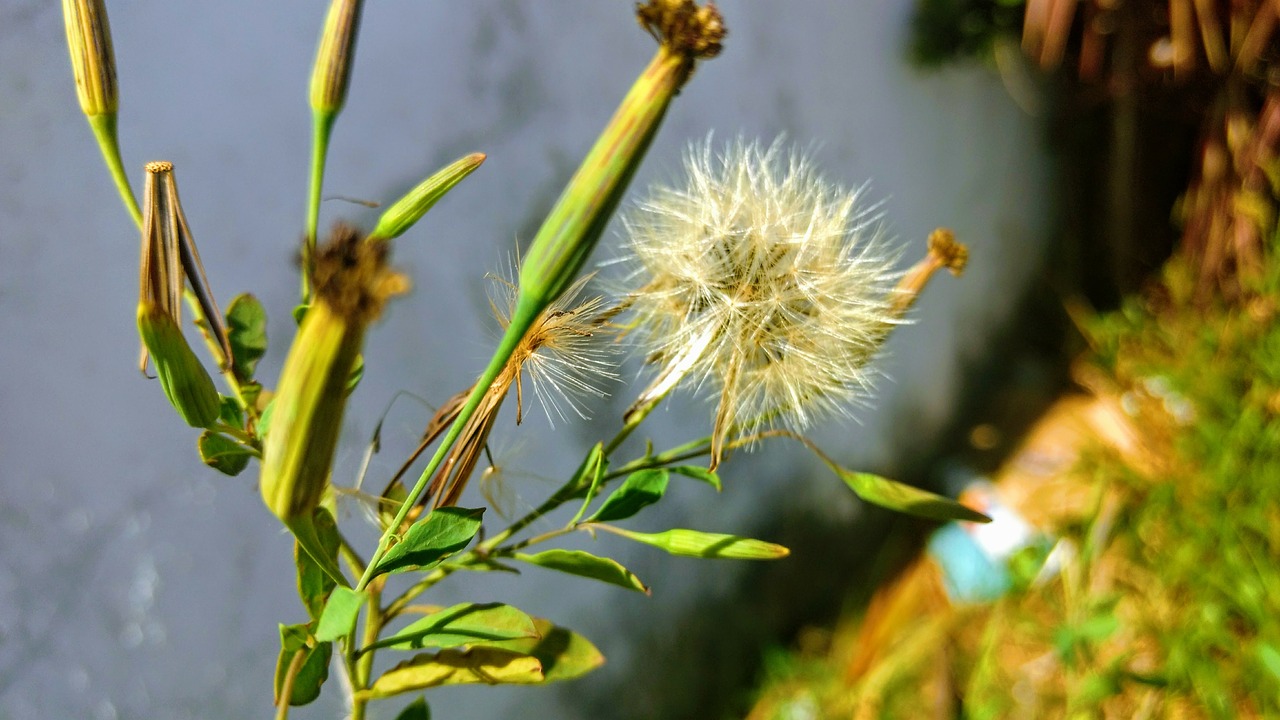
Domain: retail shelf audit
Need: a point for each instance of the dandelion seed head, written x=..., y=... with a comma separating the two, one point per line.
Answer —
x=776, y=280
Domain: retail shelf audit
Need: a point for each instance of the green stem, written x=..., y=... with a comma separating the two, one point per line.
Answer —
x=286, y=687
x=104, y=130
x=570, y=489
x=521, y=320
x=363, y=664
x=249, y=442
x=321, y=130
x=398, y=605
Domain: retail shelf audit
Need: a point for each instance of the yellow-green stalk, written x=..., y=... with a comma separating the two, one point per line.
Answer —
x=686, y=33
x=352, y=284
x=185, y=381
x=329, y=80
x=409, y=209
x=93, y=62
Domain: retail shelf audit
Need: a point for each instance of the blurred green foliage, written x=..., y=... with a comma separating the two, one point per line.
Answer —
x=947, y=30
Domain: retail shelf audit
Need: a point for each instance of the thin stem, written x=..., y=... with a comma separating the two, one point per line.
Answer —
x=286, y=688
x=549, y=535
x=322, y=128
x=398, y=605
x=569, y=489
x=104, y=130
x=373, y=623
x=249, y=442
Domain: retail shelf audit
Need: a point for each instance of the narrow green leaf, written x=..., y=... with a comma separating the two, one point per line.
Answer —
x=247, y=334
x=693, y=543
x=586, y=481
x=442, y=533
x=340, y=613
x=587, y=476
x=483, y=665
x=416, y=710
x=314, y=584
x=564, y=654
x=905, y=498
x=222, y=453
x=295, y=639
x=699, y=473
x=584, y=564
x=638, y=491
x=462, y=624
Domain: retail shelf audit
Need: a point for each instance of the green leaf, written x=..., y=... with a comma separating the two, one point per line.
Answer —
x=314, y=584
x=483, y=665
x=230, y=412
x=638, y=491
x=264, y=420
x=247, y=333
x=693, y=543
x=442, y=533
x=340, y=613
x=295, y=639
x=416, y=710
x=462, y=624
x=584, y=564
x=699, y=473
x=905, y=498
x=564, y=654
x=222, y=453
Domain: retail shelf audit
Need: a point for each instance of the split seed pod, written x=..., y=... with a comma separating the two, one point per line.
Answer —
x=169, y=254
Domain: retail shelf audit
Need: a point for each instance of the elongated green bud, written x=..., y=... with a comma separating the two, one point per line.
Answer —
x=93, y=62
x=406, y=211
x=185, y=381
x=332, y=72
x=352, y=283
x=687, y=33
x=92, y=58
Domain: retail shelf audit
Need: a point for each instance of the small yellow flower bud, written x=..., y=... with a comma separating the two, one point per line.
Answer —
x=185, y=382
x=92, y=58
x=332, y=72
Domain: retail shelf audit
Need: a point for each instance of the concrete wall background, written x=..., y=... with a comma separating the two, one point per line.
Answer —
x=136, y=583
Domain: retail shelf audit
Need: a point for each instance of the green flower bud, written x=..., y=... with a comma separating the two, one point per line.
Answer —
x=406, y=211
x=92, y=58
x=332, y=72
x=185, y=382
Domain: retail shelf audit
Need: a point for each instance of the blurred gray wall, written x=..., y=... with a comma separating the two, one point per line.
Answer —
x=136, y=583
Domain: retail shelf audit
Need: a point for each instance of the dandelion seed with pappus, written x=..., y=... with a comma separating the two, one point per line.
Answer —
x=765, y=281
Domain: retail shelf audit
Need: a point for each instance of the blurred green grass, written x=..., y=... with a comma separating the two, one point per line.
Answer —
x=1171, y=604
